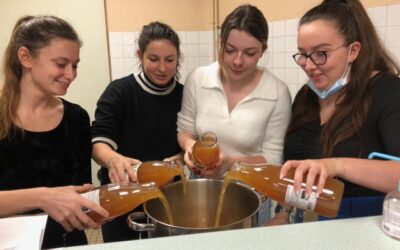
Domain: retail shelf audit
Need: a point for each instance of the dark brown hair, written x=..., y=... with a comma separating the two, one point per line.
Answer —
x=352, y=22
x=159, y=31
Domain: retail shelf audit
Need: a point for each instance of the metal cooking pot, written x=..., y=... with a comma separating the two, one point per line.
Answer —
x=195, y=211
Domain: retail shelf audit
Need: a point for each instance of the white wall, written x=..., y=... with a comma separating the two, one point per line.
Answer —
x=88, y=18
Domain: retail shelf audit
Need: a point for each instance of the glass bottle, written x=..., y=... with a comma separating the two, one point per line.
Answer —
x=391, y=213
x=265, y=179
x=119, y=199
x=206, y=151
x=160, y=172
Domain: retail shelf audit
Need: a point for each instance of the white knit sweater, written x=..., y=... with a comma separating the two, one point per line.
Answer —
x=256, y=126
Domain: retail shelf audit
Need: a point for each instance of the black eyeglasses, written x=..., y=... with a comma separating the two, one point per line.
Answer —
x=317, y=57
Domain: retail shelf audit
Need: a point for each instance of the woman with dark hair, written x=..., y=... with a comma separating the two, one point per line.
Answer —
x=136, y=116
x=246, y=106
x=348, y=109
x=44, y=139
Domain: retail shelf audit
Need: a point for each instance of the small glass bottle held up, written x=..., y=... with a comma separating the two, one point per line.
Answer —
x=265, y=179
x=206, y=151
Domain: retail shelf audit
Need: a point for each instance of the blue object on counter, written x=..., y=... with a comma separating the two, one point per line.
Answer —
x=383, y=156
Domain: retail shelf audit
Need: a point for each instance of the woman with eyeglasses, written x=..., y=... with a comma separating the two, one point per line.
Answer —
x=349, y=108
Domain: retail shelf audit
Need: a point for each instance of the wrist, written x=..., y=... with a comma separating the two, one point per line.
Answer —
x=39, y=196
x=339, y=166
x=108, y=164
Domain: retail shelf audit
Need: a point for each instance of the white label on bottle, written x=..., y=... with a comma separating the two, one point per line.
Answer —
x=93, y=196
x=299, y=200
x=391, y=221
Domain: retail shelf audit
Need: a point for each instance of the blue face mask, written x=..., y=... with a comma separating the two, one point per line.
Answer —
x=335, y=87
x=330, y=91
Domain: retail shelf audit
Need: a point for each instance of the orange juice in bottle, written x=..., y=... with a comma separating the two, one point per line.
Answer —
x=160, y=172
x=265, y=179
x=206, y=151
x=119, y=199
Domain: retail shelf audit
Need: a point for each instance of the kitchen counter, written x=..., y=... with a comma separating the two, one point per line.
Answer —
x=359, y=233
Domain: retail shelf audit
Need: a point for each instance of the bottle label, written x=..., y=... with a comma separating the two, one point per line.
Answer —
x=391, y=222
x=299, y=200
x=93, y=196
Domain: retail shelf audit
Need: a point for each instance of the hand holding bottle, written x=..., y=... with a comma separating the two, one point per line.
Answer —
x=313, y=169
x=177, y=157
x=64, y=205
x=224, y=163
x=267, y=180
x=120, y=169
x=205, y=151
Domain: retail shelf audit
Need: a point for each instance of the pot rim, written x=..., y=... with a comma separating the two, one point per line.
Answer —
x=235, y=182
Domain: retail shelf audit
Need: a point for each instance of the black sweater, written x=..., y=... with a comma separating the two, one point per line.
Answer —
x=380, y=132
x=137, y=119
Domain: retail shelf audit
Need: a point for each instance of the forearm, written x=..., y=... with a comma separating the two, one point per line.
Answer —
x=178, y=156
x=375, y=174
x=19, y=201
x=186, y=140
x=103, y=154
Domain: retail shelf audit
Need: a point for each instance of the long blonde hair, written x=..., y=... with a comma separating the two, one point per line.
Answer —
x=33, y=33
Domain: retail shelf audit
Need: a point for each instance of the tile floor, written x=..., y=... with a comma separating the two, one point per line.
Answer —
x=94, y=236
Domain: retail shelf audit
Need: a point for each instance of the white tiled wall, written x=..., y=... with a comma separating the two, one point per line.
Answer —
x=197, y=47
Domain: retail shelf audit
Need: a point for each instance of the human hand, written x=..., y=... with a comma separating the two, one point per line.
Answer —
x=120, y=169
x=179, y=158
x=281, y=218
x=187, y=157
x=65, y=204
x=316, y=171
x=224, y=163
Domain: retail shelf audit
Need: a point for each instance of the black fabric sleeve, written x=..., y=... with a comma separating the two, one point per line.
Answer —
x=110, y=112
x=83, y=148
x=386, y=97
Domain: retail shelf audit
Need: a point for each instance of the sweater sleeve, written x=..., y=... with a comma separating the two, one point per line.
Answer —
x=272, y=146
x=186, y=117
x=82, y=148
x=109, y=115
x=387, y=99
x=85, y=149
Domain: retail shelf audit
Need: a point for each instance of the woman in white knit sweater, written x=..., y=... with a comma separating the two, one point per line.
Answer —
x=246, y=106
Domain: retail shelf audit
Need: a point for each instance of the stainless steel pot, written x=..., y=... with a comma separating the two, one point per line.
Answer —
x=195, y=211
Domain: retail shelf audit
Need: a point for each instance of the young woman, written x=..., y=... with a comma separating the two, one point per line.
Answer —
x=44, y=140
x=246, y=106
x=348, y=109
x=136, y=116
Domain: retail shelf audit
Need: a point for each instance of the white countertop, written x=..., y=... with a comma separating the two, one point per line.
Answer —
x=360, y=233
